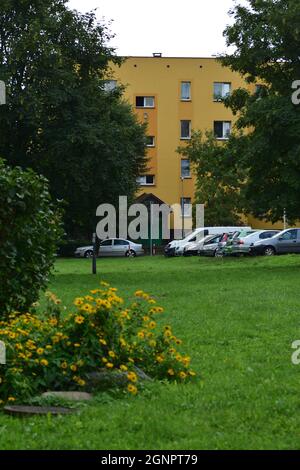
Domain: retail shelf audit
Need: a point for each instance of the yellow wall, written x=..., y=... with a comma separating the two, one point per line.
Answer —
x=161, y=77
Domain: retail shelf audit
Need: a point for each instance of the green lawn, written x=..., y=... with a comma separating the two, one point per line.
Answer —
x=237, y=318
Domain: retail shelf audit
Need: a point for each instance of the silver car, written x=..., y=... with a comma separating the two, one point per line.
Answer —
x=286, y=241
x=112, y=247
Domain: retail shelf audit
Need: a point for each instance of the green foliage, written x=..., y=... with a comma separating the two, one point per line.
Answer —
x=219, y=178
x=266, y=38
x=29, y=233
x=59, y=120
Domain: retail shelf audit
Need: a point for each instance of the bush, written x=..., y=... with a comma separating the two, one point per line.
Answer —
x=29, y=232
x=62, y=349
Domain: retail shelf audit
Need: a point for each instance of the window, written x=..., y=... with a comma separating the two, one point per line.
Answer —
x=150, y=141
x=265, y=235
x=147, y=180
x=186, y=206
x=185, y=131
x=221, y=90
x=110, y=85
x=185, y=168
x=106, y=243
x=121, y=242
x=144, y=101
x=290, y=235
x=185, y=91
x=222, y=129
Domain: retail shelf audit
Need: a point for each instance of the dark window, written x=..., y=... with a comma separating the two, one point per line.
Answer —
x=150, y=141
x=106, y=243
x=139, y=101
x=185, y=131
x=121, y=242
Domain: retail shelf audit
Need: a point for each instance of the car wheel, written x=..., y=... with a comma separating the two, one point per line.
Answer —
x=88, y=254
x=269, y=251
x=130, y=254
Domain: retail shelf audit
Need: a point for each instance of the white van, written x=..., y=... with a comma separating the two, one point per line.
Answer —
x=176, y=247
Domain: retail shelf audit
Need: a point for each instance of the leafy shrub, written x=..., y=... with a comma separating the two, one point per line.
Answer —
x=29, y=232
x=60, y=350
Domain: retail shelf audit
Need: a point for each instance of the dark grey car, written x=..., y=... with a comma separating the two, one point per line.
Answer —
x=287, y=241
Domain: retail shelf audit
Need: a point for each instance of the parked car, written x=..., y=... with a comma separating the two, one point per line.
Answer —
x=176, y=247
x=193, y=249
x=286, y=241
x=212, y=245
x=241, y=244
x=112, y=247
x=229, y=240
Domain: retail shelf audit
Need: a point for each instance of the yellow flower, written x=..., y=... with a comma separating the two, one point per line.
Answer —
x=111, y=354
x=152, y=325
x=160, y=358
x=53, y=321
x=40, y=351
x=182, y=375
x=11, y=399
x=146, y=318
x=81, y=382
x=102, y=341
x=73, y=367
x=192, y=373
x=64, y=365
x=44, y=362
x=123, y=342
x=141, y=334
x=104, y=360
x=76, y=345
x=152, y=343
x=48, y=346
x=171, y=372
x=122, y=368
x=79, y=319
x=168, y=333
x=87, y=308
x=139, y=293
x=132, y=389
x=132, y=377
x=109, y=365
x=79, y=301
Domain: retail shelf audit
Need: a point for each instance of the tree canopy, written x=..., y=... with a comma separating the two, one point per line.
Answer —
x=265, y=145
x=60, y=119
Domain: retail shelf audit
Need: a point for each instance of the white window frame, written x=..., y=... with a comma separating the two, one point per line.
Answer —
x=182, y=98
x=153, y=141
x=142, y=180
x=145, y=98
x=223, y=95
x=224, y=136
x=190, y=129
x=181, y=168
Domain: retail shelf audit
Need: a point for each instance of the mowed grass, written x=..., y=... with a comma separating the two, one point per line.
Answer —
x=237, y=318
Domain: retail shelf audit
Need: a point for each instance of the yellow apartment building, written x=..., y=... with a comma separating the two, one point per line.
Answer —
x=175, y=95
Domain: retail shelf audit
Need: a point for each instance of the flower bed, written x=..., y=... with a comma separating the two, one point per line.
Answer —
x=61, y=348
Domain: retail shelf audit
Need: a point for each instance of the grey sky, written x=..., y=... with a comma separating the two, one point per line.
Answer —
x=173, y=27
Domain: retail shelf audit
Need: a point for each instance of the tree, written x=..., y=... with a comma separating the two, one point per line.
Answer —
x=60, y=119
x=266, y=37
x=30, y=230
x=219, y=179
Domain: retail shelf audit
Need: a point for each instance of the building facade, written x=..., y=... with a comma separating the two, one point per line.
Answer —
x=175, y=96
